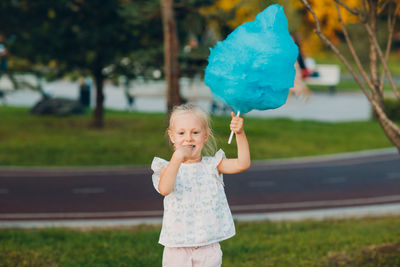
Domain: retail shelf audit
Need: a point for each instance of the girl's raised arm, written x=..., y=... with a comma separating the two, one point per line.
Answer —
x=242, y=162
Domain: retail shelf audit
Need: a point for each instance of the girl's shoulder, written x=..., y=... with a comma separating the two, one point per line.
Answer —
x=216, y=159
x=158, y=163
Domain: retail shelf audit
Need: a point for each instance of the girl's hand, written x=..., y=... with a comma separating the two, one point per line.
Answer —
x=183, y=152
x=236, y=124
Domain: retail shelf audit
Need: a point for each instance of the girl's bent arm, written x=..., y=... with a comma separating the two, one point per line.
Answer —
x=168, y=176
x=242, y=162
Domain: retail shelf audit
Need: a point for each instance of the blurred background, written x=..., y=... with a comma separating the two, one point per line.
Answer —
x=81, y=57
x=85, y=91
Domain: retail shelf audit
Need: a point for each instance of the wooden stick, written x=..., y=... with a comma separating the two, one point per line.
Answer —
x=230, y=137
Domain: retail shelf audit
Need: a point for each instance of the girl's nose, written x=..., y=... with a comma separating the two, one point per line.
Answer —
x=188, y=137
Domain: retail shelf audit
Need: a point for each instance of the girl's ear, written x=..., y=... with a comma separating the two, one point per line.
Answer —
x=206, y=137
x=208, y=133
x=171, y=136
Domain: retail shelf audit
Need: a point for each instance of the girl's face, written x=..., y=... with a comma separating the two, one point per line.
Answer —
x=187, y=129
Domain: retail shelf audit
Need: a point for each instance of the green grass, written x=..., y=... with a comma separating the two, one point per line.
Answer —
x=134, y=138
x=355, y=242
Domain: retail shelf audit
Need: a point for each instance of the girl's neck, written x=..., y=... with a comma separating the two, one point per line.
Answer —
x=194, y=160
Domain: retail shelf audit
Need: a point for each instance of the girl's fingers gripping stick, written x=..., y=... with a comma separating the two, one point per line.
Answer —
x=230, y=137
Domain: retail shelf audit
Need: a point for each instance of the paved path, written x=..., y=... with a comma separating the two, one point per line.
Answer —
x=150, y=98
x=355, y=184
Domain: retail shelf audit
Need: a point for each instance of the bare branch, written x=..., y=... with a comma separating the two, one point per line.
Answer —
x=382, y=7
x=363, y=16
x=384, y=63
x=364, y=6
x=351, y=10
x=351, y=47
x=391, y=24
x=336, y=50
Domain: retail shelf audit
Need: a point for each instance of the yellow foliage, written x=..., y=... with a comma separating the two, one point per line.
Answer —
x=225, y=5
x=327, y=15
x=51, y=13
x=244, y=10
x=53, y=63
x=243, y=14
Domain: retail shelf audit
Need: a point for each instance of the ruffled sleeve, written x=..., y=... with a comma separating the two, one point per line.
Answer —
x=218, y=157
x=213, y=165
x=156, y=166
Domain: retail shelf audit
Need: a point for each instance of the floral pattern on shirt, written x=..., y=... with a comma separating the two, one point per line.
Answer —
x=196, y=212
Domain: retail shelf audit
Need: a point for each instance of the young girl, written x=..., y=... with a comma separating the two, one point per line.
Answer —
x=196, y=213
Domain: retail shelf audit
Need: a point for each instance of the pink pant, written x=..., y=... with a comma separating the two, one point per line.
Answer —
x=204, y=256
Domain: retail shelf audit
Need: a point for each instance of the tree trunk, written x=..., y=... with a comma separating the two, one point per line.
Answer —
x=98, y=115
x=391, y=130
x=170, y=54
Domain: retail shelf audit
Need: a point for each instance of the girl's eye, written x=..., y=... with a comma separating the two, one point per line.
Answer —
x=181, y=133
x=195, y=132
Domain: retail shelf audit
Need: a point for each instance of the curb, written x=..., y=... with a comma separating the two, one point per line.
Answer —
x=391, y=151
x=363, y=154
x=317, y=215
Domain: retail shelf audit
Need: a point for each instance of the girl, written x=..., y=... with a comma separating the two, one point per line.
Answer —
x=196, y=212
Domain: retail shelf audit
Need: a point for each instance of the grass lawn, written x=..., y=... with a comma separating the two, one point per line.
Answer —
x=135, y=138
x=356, y=242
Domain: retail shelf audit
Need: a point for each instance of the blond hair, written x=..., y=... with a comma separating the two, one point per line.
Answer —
x=211, y=145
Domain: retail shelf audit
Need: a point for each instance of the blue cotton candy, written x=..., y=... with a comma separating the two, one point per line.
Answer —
x=253, y=68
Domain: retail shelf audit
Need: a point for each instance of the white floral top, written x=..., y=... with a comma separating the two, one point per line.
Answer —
x=196, y=212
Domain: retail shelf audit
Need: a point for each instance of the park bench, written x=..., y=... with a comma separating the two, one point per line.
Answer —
x=329, y=75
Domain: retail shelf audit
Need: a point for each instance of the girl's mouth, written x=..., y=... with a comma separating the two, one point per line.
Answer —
x=191, y=146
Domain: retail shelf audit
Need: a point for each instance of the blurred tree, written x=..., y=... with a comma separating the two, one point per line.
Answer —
x=11, y=14
x=90, y=35
x=192, y=26
x=84, y=35
x=370, y=81
x=146, y=55
x=171, y=65
x=193, y=35
x=101, y=38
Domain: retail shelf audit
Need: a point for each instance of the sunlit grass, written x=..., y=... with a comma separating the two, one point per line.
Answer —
x=355, y=242
x=135, y=138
